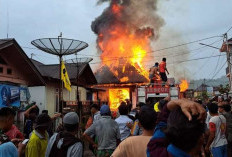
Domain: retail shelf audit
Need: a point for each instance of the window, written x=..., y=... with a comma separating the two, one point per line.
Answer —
x=2, y=61
x=9, y=71
x=1, y=69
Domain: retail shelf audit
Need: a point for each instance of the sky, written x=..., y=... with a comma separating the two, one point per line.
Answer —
x=185, y=21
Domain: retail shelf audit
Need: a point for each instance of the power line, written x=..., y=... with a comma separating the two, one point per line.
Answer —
x=199, y=70
x=216, y=64
x=229, y=29
x=166, y=48
x=185, y=43
x=174, y=55
x=197, y=59
x=218, y=71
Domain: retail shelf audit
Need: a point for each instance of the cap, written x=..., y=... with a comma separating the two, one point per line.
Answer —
x=104, y=109
x=71, y=118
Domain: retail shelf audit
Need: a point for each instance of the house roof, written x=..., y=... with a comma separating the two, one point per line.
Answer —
x=14, y=54
x=105, y=76
x=84, y=71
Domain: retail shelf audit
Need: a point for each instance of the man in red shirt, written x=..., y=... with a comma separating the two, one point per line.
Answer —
x=7, y=124
x=162, y=70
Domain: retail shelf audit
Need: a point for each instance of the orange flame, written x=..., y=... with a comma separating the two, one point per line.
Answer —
x=121, y=45
x=184, y=85
x=124, y=79
x=116, y=9
x=116, y=96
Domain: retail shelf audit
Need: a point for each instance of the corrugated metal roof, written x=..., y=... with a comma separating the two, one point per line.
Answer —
x=53, y=71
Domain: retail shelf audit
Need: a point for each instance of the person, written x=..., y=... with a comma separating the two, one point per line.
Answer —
x=221, y=108
x=160, y=104
x=129, y=104
x=7, y=148
x=60, y=126
x=136, y=129
x=65, y=143
x=137, y=145
x=179, y=121
x=163, y=69
x=95, y=112
x=107, y=132
x=7, y=124
x=30, y=115
x=227, y=114
x=153, y=73
x=123, y=121
x=217, y=132
x=37, y=144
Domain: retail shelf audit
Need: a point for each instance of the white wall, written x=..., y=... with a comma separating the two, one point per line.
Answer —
x=38, y=95
x=45, y=97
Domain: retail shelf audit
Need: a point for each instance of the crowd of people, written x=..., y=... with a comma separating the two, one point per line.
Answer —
x=176, y=128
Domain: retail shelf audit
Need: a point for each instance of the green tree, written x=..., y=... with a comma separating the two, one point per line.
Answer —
x=223, y=89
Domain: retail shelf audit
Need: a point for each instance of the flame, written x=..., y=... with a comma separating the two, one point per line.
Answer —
x=124, y=79
x=184, y=85
x=116, y=96
x=122, y=45
x=116, y=9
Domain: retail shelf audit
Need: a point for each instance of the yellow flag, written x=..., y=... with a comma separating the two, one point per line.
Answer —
x=64, y=77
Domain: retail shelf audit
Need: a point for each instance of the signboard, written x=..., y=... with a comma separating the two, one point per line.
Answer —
x=157, y=90
x=9, y=95
x=23, y=94
x=209, y=90
x=141, y=91
x=71, y=103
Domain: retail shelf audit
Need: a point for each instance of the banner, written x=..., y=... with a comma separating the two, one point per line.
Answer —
x=64, y=77
x=9, y=96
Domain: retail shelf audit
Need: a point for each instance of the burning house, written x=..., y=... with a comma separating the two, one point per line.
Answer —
x=124, y=35
x=117, y=88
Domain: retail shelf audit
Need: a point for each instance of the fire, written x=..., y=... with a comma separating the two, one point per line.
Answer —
x=184, y=85
x=124, y=79
x=116, y=96
x=116, y=9
x=122, y=45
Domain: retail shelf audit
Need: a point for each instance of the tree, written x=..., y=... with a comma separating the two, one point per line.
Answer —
x=223, y=89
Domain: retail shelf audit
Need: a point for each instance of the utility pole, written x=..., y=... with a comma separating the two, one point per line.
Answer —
x=226, y=47
x=229, y=59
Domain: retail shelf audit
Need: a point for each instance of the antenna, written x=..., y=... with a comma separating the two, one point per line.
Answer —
x=32, y=54
x=7, y=31
x=60, y=36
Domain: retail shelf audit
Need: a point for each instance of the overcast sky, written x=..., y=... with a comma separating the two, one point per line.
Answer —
x=185, y=21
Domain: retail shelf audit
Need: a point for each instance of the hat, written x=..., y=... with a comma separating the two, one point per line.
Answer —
x=104, y=109
x=71, y=118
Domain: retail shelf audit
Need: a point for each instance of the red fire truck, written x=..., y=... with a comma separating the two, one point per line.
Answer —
x=156, y=93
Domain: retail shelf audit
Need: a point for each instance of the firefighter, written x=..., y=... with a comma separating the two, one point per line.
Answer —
x=163, y=69
x=153, y=73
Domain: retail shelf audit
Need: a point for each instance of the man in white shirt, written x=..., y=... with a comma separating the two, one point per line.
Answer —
x=95, y=112
x=123, y=120
x=217, y=128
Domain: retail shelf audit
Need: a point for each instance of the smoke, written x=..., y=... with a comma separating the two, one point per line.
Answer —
x=141, y=17
x=137, y=15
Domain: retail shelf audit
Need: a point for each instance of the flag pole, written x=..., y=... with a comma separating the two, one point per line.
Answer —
x=61, y=83
x=60, y=87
